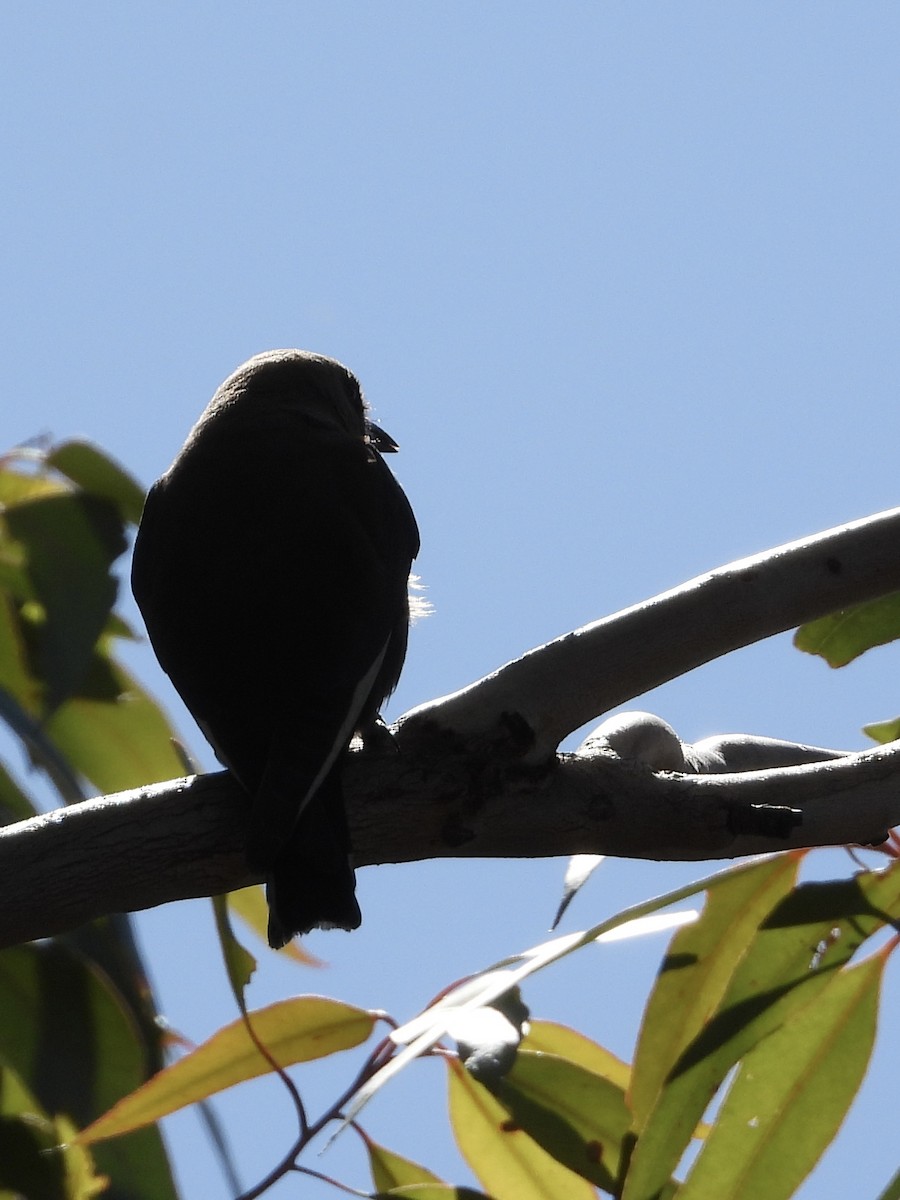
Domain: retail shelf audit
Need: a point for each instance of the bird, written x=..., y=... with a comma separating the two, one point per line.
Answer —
x=271, y=567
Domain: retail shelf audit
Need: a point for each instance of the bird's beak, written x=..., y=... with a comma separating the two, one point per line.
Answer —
x=383, y=442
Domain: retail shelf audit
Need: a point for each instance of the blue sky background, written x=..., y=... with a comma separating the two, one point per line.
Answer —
x=622, y=281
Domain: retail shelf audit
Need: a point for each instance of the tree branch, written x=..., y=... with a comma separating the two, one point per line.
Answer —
x=185, y=838
x=476, y=774
x=559, y=687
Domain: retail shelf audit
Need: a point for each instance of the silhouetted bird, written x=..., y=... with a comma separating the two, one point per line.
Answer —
x=271, y=567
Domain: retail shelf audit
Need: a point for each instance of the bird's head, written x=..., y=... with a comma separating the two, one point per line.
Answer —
x=279, y=385
x=296, y=383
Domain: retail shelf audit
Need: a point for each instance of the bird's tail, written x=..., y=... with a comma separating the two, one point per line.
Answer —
x=311, y=884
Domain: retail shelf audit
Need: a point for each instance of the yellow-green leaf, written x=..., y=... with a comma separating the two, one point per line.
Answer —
x=17, y=679
x=892, y=1191
x=82, y=1180
x=50, y=996
x=568, y=1043
x=113, y=733
x=70, y=543
x=15, y=804
x=250, y=905
x=94, y=471
x=20, y=486
x=239, y=962
x=843, y=636
x=37, y=1158
x=391, y=1170
x=696, y=974
x=883, y=731
x=507, y=1162
x=297, y=1030
x=761, y=978
x=791, y=1094
x=580, y=1118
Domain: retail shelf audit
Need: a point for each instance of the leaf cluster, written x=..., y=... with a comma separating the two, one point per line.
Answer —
x=767, y=1004
x=79, y=1025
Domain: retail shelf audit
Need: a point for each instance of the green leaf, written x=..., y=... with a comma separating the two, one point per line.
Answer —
x=108, y=943
x=20, y=486
x=118, y=627
x=791, y=1094
x=843, y=636
x=297, y=1030
x=17, y=678
x=250, y=905
x=696, y=974
x=40, y=749
x=509, y=1163
x=552, y=1038
x=15, y=804
x=15, y=584
x=748, y=983
x=580, y=1118
x=883, y=731
x=113, y=733
x=391, y=1170
x=33, y=1160
x=239, y=962
x=892, y=1191
x=82, y=1180
x=66, y=1031
x=97, y=473
x=71, y=542
x=426, y=1030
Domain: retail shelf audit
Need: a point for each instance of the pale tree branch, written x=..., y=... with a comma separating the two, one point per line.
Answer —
x=477, y=774
x=563, y=685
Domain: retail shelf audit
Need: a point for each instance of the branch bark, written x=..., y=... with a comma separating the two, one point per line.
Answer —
x=477, y=774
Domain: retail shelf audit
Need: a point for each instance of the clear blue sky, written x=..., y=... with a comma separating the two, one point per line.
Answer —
x=622, y=281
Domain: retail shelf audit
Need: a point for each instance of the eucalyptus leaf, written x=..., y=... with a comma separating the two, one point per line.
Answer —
x=100, y=475
x=844, y=636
